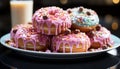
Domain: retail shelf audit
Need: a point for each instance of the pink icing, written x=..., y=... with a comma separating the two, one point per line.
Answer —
x=28, y=34
x=102, y=36
x=55, y=16
x=71, y=39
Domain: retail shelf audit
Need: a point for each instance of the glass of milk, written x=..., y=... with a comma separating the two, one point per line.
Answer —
x=21, y=11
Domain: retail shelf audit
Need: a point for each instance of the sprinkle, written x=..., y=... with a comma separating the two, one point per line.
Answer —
x=14, y=31
x=69, y=11
x=98, y=27
x=104, y=47
x=77, y=31
x=45, y=17
x=109, y=45
x=7, y=41
x=88, y=13
x=80, y=9
x=79, y=20
x=29, y=22
x=67, y=32
x=28, y=35
x=90, y=34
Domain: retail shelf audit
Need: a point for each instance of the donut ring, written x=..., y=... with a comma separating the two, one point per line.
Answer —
x=100, y=37
x=83, y=18
x=51, y=20
x=71, y=42
x=24, y=36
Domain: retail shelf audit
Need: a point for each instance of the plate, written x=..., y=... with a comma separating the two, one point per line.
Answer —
x=58, y=55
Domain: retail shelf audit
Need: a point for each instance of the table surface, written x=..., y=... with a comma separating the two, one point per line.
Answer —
x=12, y=60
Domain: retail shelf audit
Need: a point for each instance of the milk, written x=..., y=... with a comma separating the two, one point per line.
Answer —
x=21, y=12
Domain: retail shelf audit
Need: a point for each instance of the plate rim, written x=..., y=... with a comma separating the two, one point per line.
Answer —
x=53, y=53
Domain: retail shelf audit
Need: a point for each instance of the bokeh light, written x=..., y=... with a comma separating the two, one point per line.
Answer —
x=109, y=2
x=108, y=18
x=115, y=25
x=116, y=1
x=63, y=1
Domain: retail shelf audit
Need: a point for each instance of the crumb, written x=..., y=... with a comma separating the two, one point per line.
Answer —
x=7, y=41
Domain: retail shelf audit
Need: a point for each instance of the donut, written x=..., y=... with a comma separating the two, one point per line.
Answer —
x=51, y=20
x=83, y=18
x=24, y=36
x=70, y=42
x=100, y=37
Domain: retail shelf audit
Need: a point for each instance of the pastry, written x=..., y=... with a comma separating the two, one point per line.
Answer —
x=83, y=19
x=25, y=36
x=51, y=20
x=100, y=37
x=71, y=42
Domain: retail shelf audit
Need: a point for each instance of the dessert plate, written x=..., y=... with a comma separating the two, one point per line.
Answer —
x=47, y=55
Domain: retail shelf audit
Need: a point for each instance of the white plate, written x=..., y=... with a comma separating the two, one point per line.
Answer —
x=58, y=55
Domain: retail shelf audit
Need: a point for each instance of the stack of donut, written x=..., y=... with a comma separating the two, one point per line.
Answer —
x=62, y=31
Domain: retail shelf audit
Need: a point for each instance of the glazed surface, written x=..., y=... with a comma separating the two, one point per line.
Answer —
x=27, y=33
x=84, y=17
x=102, y=36
x=51, y=16
x=71, y=40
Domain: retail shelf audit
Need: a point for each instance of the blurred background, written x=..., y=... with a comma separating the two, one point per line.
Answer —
x=108, y=11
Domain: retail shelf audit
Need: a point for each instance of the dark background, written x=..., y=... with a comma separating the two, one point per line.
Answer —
x=108, y=11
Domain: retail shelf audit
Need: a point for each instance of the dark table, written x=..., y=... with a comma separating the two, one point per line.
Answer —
x=13, y=60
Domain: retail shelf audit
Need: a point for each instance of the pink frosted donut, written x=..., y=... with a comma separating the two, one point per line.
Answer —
x=71, y=42
x=100, y=38
x=51, y=20
x=25, y=36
